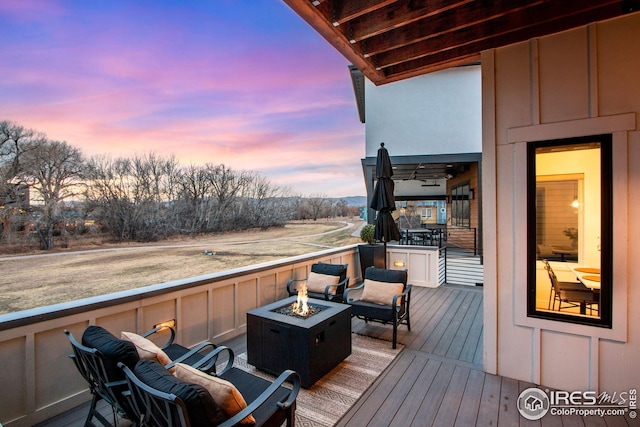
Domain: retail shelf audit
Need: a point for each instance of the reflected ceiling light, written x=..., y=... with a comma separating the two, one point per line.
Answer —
x=575, y=203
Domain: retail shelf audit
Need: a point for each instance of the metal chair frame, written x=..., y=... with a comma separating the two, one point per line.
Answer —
x=156, y=408
x=399, y=306
x=90, y=362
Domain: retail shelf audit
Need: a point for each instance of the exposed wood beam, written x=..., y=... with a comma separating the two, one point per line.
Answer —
x=466, y=15
x=348, y=10
x=430, y=67
x=389, y=40
x=504, y=24
x=396, y=15
x=402, y=70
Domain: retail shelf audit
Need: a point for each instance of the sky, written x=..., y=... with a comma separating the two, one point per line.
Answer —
x=244, y=83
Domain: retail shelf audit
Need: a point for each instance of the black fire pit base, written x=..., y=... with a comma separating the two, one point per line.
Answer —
x=311, y=346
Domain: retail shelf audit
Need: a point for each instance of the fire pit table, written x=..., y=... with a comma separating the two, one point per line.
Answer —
x=311, y=345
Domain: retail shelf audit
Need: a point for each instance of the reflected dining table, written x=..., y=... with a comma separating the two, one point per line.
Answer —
x=590, y=277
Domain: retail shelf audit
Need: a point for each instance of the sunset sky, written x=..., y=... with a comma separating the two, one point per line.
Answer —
x=245, y=83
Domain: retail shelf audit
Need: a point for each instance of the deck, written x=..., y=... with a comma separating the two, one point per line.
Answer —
x=437, y=380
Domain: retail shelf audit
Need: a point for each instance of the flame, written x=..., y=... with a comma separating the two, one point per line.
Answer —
x=300, y=307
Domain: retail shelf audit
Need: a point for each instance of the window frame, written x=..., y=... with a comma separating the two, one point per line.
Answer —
x=456, y=219
x=605, y=319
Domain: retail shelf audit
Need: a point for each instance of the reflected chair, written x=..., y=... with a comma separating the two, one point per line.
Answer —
x=571, y=294
x=96, y=359
x=190, y=398
x=385, y=298
x=326, y=281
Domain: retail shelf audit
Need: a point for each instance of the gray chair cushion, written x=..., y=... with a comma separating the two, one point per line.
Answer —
x=373, y=311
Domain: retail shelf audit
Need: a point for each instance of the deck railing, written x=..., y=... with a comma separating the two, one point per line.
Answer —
x=38, y=379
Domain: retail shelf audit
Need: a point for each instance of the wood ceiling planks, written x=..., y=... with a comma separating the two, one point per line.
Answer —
x=389, y=40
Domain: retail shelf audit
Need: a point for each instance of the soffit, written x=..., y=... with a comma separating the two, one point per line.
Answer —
x=390, y=40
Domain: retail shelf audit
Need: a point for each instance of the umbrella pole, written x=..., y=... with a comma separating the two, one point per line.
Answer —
x=385, y=254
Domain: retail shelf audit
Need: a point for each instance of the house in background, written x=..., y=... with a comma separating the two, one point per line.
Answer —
x=431, y=126
x=560, y=102
x=14, y=208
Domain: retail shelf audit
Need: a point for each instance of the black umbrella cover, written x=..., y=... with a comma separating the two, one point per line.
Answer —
x=383, y=198
x=383, y=163
x=386, y=227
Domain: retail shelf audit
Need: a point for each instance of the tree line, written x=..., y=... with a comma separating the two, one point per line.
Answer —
x=48, y=188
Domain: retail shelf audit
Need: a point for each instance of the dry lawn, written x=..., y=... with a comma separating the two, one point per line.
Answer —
x=29, y=281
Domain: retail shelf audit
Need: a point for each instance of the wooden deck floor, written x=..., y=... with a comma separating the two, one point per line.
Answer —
x=437, y=380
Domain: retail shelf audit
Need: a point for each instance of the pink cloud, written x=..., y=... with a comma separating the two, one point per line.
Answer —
x=173, y=82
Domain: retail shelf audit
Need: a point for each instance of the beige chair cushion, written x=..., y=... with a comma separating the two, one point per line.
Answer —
x=146, y=348
x=225, y=394
x=380, y=292
x=317, y=282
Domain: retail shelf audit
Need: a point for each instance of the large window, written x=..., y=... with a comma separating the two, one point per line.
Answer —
x=569, y=230
x=460, y=206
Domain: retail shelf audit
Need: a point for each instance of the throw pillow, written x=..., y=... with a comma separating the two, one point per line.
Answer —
x=381, y=292
x=146, y=348
x=317, y=283
x=201, y=408
x=224, y=393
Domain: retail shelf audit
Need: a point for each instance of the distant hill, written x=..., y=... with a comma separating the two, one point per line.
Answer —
x=356, y=201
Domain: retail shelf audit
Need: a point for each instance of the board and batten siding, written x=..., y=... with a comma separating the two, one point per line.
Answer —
x=576, y=83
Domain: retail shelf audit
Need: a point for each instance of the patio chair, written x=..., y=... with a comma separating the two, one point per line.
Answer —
x=386, y=298
x=326, y=281
x=192, y=398
x=571, y=294
x=96, y=359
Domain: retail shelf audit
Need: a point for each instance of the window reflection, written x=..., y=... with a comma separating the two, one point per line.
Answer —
x=565, y=230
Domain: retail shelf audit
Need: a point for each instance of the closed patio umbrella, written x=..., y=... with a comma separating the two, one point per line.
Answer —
x=383, y=201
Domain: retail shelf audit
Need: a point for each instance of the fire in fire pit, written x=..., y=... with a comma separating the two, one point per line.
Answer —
x=300, y=307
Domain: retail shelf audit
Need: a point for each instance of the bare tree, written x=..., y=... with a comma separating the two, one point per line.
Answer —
x=109, y=195
x=135, y=197
x=153, y=181
x=142, y=198
x=265, y=204
x=194, y=205
x=340, y=208
x=226, y=186
x=54, y=170
x=13, y=139
x=318, y=206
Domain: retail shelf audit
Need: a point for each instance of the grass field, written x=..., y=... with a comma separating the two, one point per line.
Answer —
x=35, y=280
